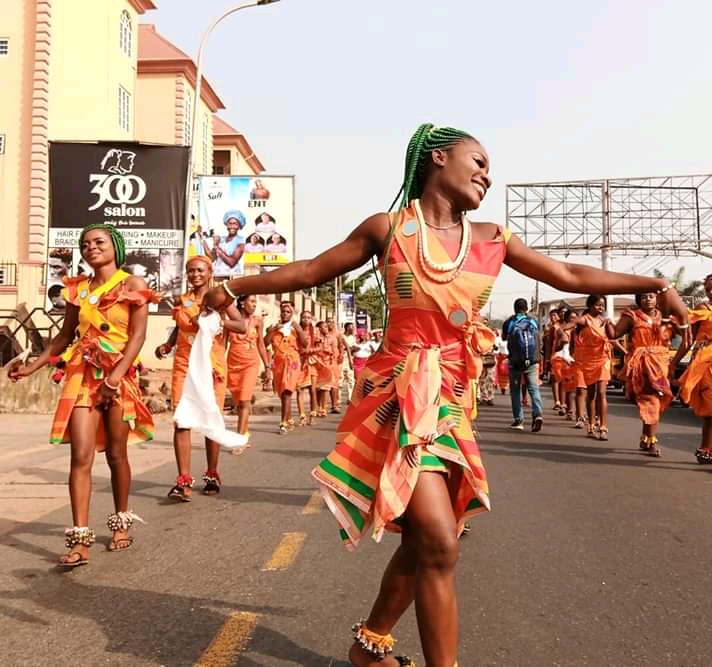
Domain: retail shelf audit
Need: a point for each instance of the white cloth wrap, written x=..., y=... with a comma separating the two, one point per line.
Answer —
x=197, y=408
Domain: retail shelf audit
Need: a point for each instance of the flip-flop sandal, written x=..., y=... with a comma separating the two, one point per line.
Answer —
x=67, y=564
x=178, y=493
x=121, y=544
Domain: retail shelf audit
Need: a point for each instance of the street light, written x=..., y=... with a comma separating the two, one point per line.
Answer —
x=194, y=119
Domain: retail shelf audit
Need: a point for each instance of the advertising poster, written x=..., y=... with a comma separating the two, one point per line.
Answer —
x=347, y=306
x=140, y=189
x=244, y=221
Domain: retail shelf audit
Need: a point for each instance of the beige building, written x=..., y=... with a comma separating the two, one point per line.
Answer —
x=58, y=91
x=86, y=70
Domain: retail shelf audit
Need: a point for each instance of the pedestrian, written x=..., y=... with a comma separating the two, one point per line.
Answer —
x=406, y=459
x=647, y=364
x=502, y=366
x=199, y=273
x=100, y=408
x=285, y=337
x=522, y=334
x=246, y=353
x=696, y=381
x=349, y=340
x=592, y=352
x=362, y=351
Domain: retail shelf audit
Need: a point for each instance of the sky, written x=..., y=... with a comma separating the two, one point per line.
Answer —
x=331, y=91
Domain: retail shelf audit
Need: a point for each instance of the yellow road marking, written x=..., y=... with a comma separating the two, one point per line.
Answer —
x=231, y=639
x=314, y=504
x=286, y=551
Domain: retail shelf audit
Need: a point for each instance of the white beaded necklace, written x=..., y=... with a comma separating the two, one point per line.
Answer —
x=442, y=267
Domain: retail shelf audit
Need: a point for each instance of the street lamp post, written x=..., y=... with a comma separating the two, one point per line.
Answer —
x=194, y=119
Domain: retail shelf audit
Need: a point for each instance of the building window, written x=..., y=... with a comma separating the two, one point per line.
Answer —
x=187, y=119
x=124, y=109
x=4, y=46
x=125, y=33
x=218, y=170
x=206, y=144
x=2, y=144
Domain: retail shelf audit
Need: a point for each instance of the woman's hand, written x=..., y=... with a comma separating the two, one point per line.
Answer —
x=163, y=350
x=109, y=392
x=18, y=371
x=216, y=298
x=670, y=303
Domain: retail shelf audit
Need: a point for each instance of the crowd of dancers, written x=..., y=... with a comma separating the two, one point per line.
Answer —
x=577, y=357
x=406, y=458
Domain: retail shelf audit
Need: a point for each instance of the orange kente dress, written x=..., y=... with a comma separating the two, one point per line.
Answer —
x=243, y=361
x=286, y=362
x=411, y=408
x=696, y=382
x=187, y=309
x=645, y=371
x=102, y=334
x=315, y=368
x=592, y=353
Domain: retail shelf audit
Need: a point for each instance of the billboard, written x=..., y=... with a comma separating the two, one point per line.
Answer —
x=244, y=221
x=138, y=188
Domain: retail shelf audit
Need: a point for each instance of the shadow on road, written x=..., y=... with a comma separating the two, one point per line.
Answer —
x=165, y=627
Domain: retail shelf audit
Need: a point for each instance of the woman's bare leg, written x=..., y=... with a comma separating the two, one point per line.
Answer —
x=82, y=433
x=422, y=569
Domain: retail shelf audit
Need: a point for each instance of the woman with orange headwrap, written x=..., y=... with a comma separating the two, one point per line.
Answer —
x=696, y=382
x=199, y=271
x=243, y=360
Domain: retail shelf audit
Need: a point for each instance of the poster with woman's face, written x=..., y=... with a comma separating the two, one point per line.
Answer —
x=268, y=205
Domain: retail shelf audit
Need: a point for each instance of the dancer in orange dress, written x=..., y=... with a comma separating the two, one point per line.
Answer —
x=563, y=371
x=406, y=459
x=328, y=361
x=342, y=358
x=315, y=372
x=199, y=270
x=100, y=409
x=592, y=352
x=285, y=338
x=246, y=352
x=647, y=364
x=696, y=382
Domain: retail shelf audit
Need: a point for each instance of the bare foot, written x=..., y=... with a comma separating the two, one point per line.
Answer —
x=361, y=658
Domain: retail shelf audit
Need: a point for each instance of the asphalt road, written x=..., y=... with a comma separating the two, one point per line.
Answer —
x=593, y=555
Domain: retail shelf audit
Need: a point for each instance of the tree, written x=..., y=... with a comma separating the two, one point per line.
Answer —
x=694, y=289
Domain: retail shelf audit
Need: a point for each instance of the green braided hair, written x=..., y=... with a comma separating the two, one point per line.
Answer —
x=117, y=240
x=424, y=141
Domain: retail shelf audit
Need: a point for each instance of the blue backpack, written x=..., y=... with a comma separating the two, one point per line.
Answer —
x=523, y=343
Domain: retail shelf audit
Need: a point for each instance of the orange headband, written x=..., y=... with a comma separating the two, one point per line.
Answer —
x=201, y=258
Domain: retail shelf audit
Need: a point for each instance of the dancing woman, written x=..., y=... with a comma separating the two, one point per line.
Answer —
x=100, y=408
x=592, y=352
x=563, y=372
x=246, y=352
x=199, y=271
x=285, y=337
x=696, y=382
x=647, y=364
x=406, y=459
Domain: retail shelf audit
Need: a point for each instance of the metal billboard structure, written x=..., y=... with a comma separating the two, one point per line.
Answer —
x=664, y=215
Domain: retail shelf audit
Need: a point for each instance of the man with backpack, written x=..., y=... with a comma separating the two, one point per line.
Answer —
x=522, y=335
